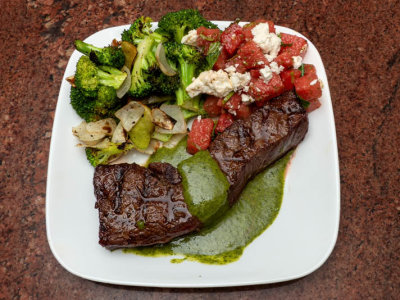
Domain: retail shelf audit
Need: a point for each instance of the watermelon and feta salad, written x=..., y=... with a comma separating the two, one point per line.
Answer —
x=142, y=90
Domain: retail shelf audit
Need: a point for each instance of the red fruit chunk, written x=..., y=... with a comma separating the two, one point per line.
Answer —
x=237, y=108
x=309, y=69
x=225, y=120
x=292, y=46
x=261, y=91
x=238, y=63
x=199, y=137
x=231, y=38
x=248, y=35
x=251, y=55
x=308, y=87
x=288, y=77
x=206, y=37
x=221, y=61
x=255, y=73
x=314, y=104
x=211, y=106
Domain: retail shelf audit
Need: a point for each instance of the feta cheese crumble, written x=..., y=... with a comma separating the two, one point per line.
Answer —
x=276, y=68
x=266, y=72
x=297, y=61
x=270, y=43
x=219, y=83
x=313, y=82
x=210, y=82
x=190, y=38
x=247, y=98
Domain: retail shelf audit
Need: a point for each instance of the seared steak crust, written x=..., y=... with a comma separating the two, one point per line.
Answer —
x=248, y=146
x=140, y=206
x=145, y=206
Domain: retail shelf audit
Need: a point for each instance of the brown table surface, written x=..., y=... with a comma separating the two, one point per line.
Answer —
x=359, y=44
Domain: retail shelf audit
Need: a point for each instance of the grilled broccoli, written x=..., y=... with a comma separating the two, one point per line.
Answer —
x=146, y=41
x=163, y=84
x=93, y=109
x=108, y=56
x=89, y=77
x=177, y=24
x=189, y=62
x=137, y=31
x=103, y=156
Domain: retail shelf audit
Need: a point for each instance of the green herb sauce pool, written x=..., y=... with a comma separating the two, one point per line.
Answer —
x=224, y=241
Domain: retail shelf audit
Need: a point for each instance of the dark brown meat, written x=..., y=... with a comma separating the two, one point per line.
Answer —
x=130, y=196
x=140, y=206
x=249, y=146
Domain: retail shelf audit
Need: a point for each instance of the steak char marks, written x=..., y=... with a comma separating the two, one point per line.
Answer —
x=140, y=206
x=145, y=206
x=248, y=146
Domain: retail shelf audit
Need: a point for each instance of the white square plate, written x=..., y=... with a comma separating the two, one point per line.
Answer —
x=296, y=244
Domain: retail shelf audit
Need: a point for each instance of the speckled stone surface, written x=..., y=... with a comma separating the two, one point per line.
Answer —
x=359, y=44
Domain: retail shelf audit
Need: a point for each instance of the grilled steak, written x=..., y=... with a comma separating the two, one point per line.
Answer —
x=140, y=206
x=249, y=146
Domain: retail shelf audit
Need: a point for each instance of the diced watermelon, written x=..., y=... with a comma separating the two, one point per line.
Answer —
x=231, y=38
x=288, y=77
x=309, y=69
x=314, y=104
x=255, y=73
x=206, y=37
x=251, y=55
x=238, y=63
x=308, y=87
x=292, y=45
x=211, y=106
x=261, y=91
x=221, y=61
x=248, y=35
x=199, y=137
x=225, y=120
x=236, y=107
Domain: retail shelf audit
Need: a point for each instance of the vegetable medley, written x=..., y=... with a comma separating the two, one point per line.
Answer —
x=139, y=92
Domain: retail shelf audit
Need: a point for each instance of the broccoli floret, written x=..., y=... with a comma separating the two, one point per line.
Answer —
x=163, y=84
x=146, y=42
x=108, y=56
x=94, y=109
x=89, y=78
x=103, y=156
x=177, y=24
x=137, y=31
x=189, y=62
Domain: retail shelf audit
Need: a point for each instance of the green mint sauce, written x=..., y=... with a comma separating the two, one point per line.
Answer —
x=223, y=242
x=205, y=187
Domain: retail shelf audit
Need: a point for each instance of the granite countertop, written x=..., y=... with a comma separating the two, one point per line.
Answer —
x=358, y=42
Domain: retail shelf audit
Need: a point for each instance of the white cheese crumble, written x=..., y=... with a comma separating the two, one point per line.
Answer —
x=219, y=83
x=313, y=82
x=270, y=43
x=210, y=82
x=247, y=98
x=190, y=38
x=297, y=61
x=266, y=74
x=276, y=68
x=230, y=69
x=239, y=81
